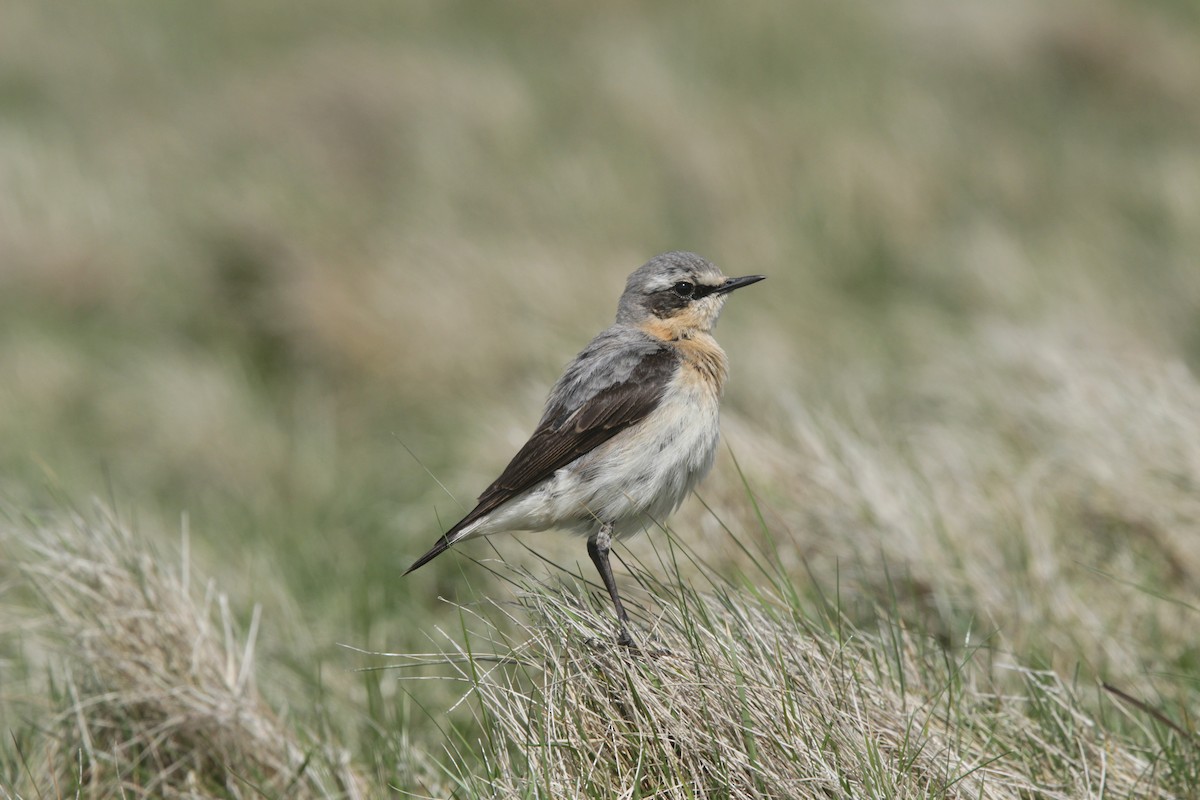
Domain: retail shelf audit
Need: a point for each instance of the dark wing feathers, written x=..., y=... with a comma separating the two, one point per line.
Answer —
x=560, y=439
x=610, y=411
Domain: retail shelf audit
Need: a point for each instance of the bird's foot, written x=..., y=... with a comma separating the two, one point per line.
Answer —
x=626, y=641
x=627, y=644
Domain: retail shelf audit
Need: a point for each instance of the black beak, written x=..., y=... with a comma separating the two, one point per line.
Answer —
x=737, y=283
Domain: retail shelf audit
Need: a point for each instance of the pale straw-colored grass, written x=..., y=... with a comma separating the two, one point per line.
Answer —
x=152, y=689
x=739, y=691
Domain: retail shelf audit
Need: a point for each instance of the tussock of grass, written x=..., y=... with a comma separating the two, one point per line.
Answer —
x=739, y=693
x=153, y=677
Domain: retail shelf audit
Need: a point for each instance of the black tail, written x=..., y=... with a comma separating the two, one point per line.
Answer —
x=450, y=537
x=435, y=551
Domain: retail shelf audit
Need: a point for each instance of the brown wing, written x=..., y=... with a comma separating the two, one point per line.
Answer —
x=555, y=444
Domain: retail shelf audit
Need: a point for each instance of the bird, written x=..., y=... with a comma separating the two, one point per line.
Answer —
x=630, y=427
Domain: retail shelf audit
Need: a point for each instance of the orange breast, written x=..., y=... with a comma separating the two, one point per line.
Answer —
x=704, y=361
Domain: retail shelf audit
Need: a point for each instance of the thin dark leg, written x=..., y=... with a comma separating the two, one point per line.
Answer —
x=598, y=546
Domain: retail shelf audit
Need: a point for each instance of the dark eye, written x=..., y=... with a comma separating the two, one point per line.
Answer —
x=684, y=289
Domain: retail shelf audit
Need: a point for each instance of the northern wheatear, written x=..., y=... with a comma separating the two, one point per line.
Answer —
x=629, y=428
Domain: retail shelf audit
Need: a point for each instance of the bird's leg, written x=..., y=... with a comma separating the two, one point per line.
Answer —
x=598, y=545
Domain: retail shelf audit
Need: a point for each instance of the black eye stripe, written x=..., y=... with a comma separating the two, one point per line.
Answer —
x=666, y=302
x=686, y=290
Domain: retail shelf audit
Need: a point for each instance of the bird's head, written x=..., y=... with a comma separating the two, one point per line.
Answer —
x=677, y=294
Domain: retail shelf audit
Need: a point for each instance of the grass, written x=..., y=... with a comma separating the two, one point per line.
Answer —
x=742, y=688
x=279, y=270
x=155, y=694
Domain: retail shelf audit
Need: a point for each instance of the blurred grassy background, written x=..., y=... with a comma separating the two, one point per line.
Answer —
x=249, y=251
